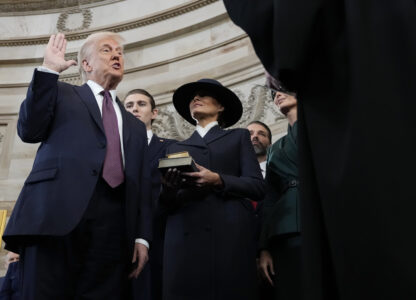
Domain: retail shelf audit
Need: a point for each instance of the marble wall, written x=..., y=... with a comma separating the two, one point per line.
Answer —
x=168, y=43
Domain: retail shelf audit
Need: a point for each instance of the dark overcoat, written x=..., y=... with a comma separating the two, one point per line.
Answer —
x=210, y=250
x=353, y=65
x=67, y=122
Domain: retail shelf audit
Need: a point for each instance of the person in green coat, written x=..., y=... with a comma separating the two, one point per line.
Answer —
x=280, y=239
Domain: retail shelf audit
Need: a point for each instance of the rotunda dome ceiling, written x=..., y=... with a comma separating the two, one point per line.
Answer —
x=42, y=6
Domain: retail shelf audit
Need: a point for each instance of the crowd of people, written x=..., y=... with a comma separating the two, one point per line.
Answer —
x=96, y=219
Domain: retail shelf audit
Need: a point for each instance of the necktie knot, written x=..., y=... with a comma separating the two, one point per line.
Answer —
x=107, y=96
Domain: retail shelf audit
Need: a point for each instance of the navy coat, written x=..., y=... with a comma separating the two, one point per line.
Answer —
x=149, y=283
x=210, y=247
x=67, y=121
x=157, y=150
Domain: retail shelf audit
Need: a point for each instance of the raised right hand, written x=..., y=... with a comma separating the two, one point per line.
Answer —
x=54, y=57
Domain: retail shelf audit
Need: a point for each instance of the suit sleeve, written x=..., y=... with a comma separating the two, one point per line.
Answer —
x=250, y=183
x=37, y=110
x=272, y=196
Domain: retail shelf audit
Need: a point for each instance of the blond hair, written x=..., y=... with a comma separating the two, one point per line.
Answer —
x=88, y=46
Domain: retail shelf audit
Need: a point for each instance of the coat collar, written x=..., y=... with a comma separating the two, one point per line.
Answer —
x=196, y=140
x=155, y=146
x=215, y=133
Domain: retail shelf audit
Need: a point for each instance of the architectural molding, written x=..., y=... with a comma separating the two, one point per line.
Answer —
x=75, y=78
x=86, y=14
x=22, y=8
x=142, y=43
x=147, y=20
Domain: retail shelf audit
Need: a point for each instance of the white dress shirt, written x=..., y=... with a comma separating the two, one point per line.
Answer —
x=204, y=130
x=96, y=90
x=149, y=136
x=263, y=168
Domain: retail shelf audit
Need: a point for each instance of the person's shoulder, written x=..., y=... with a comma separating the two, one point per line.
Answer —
x=66, y=85
x=164, y=141
x=136, y=126
x=238, y=131
x=133, y=121
x=279, y=142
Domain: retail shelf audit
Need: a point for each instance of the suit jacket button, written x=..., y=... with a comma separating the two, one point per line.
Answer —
x=94, y=172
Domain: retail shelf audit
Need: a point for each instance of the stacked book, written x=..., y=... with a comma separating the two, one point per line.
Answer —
x=181, y=161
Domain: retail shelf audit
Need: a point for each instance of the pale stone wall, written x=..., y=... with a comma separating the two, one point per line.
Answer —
x=168, y=43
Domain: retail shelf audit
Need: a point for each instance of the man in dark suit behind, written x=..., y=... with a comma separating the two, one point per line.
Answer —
x=149, y=285
x=84, y=211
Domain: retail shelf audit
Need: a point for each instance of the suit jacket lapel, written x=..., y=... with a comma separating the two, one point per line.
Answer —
x=195, y=140
x=154, y=147
x=88, y=98
x=214, y=133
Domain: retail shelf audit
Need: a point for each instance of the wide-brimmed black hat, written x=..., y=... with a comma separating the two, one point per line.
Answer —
x=233, y=109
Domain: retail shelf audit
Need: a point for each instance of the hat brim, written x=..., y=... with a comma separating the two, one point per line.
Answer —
x=233, y=109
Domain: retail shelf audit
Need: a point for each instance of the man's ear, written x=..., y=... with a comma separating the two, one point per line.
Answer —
x=86, y=66
x=155, y=113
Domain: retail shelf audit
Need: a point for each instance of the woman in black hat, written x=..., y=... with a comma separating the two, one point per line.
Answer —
x=210, y=248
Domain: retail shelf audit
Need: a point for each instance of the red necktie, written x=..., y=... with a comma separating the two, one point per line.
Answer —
x=113, y=172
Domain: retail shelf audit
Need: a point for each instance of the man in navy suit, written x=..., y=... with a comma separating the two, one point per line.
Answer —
x=84, y=212
x=149, y=285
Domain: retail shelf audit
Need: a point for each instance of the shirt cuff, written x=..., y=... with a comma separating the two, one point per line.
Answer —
x=46, y=70
x=143, y=242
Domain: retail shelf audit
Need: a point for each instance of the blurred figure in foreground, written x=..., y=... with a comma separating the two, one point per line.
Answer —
x=352, y=64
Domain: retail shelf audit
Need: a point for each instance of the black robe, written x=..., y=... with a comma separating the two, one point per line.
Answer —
x=353, y=65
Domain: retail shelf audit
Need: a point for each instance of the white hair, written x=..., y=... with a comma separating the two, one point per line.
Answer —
x=88, y=47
